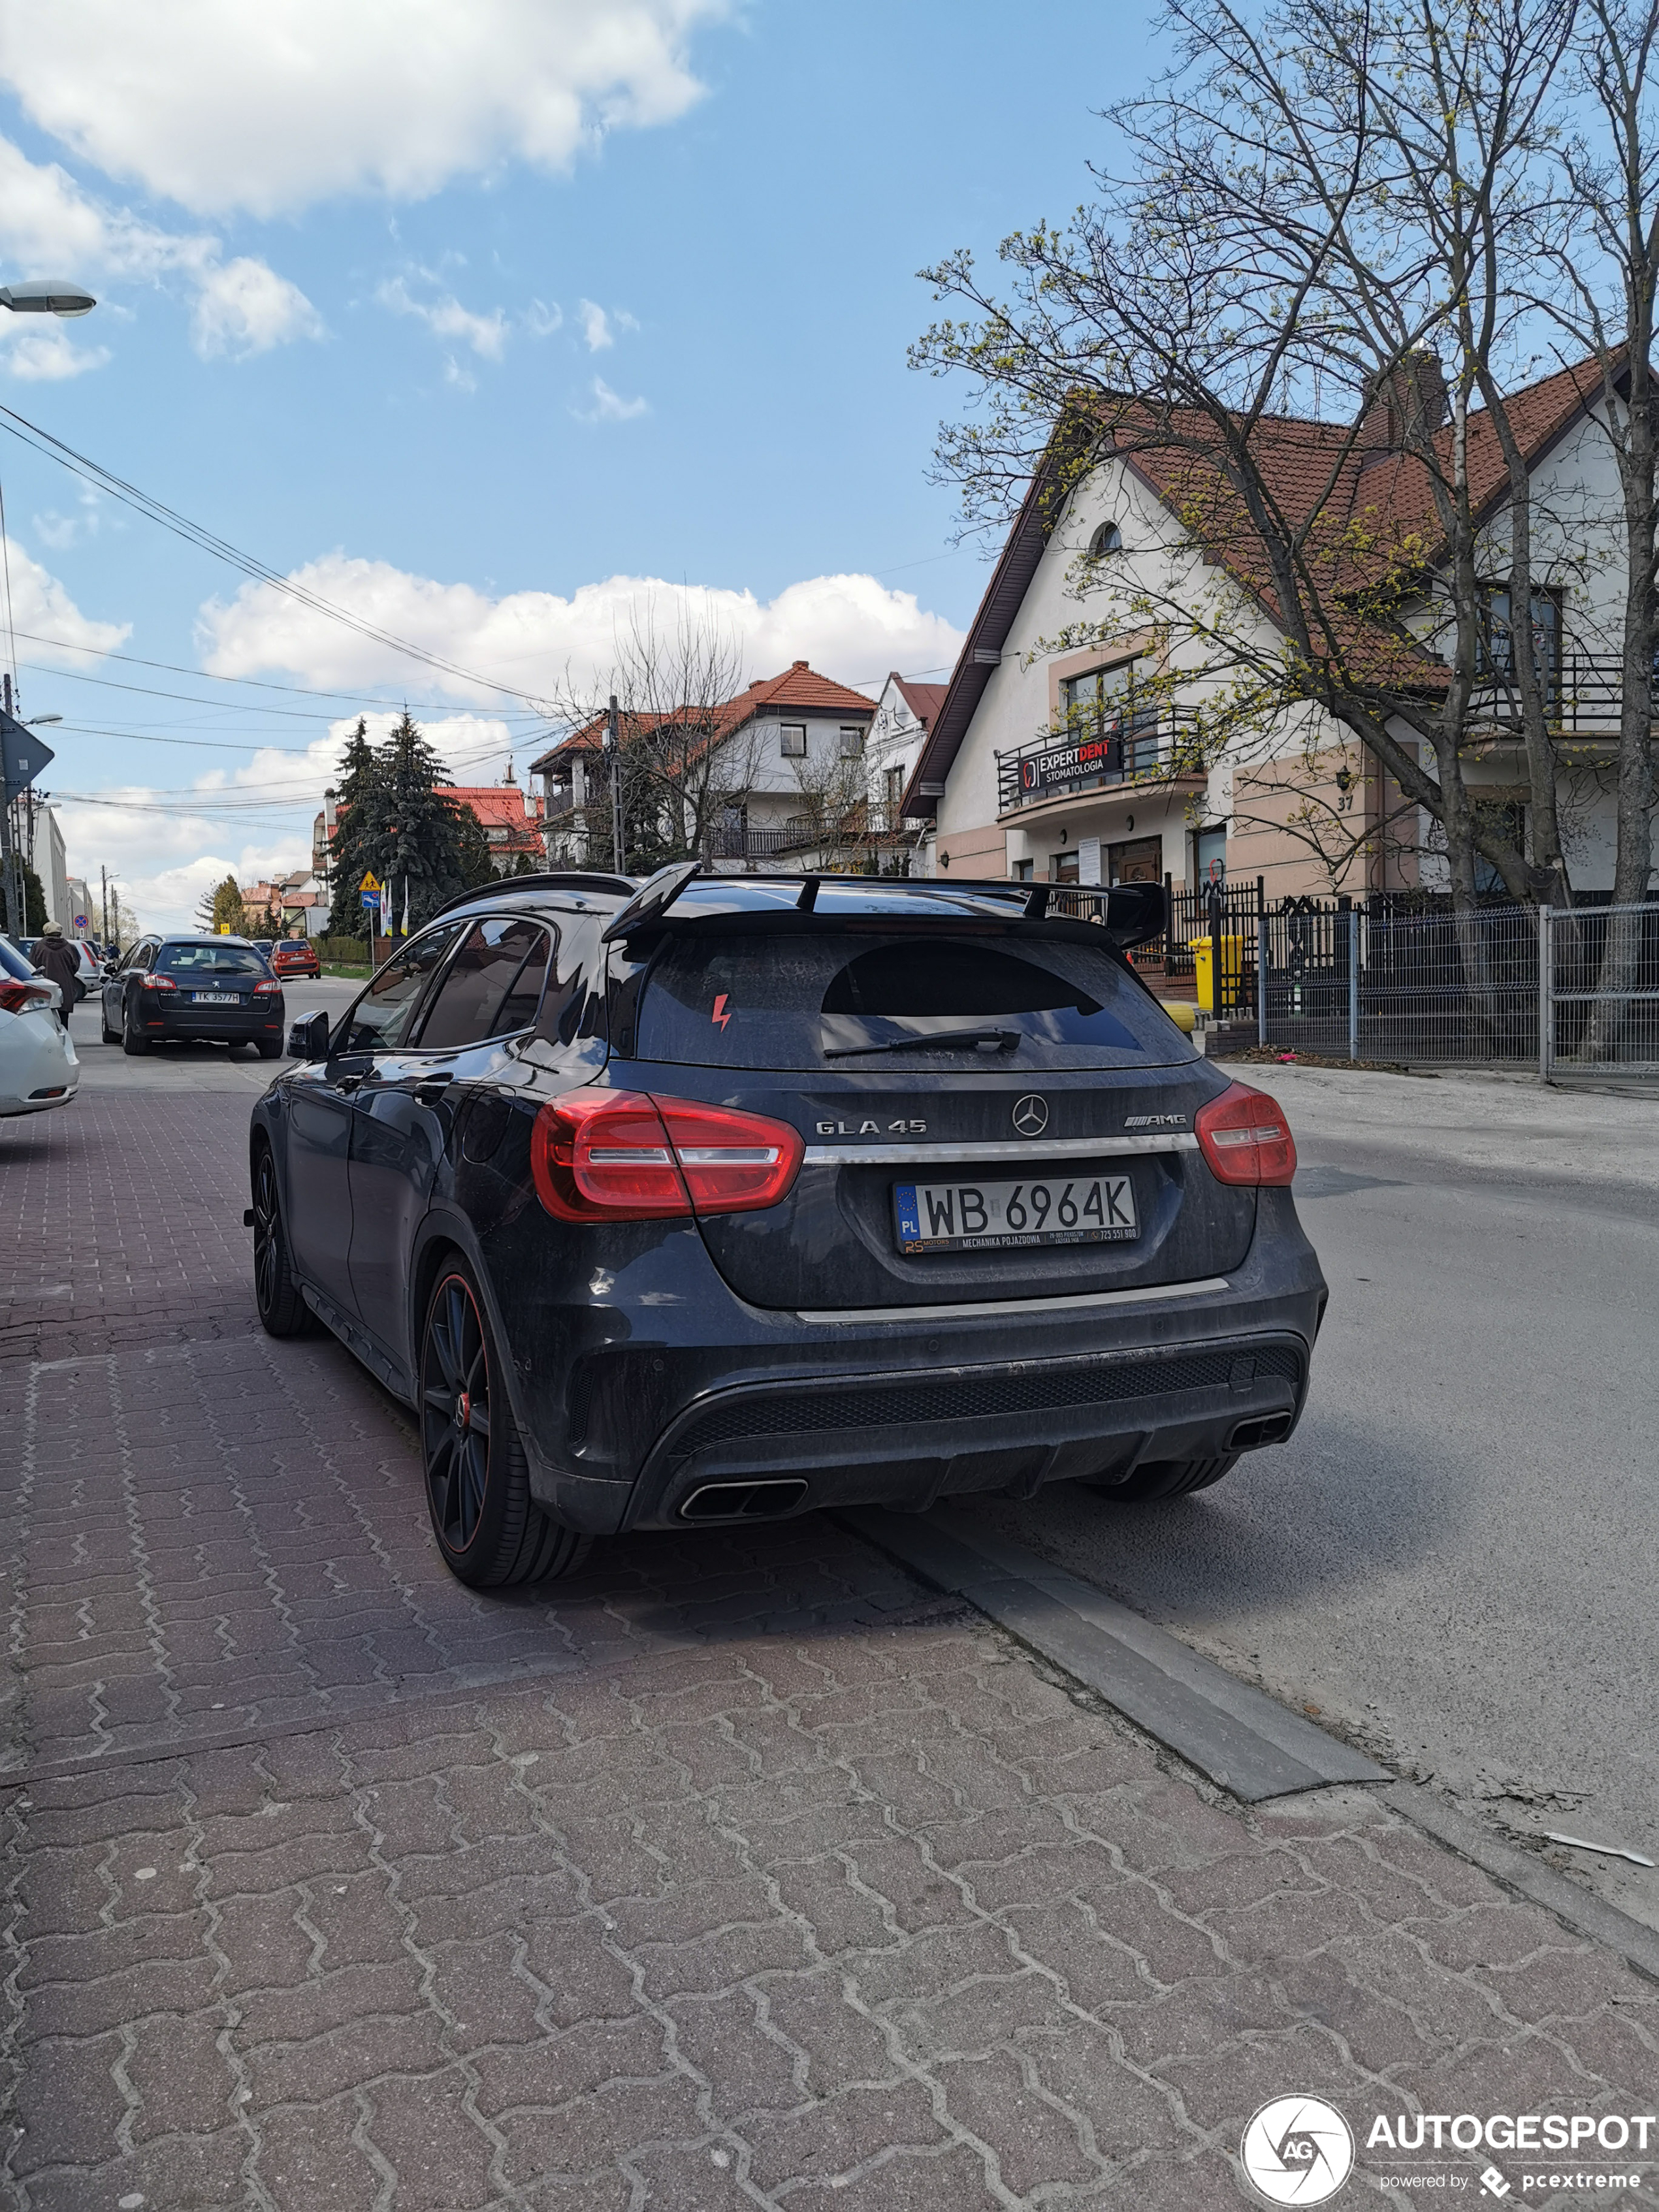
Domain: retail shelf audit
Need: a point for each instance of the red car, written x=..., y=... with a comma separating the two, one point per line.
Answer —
x=295, y=956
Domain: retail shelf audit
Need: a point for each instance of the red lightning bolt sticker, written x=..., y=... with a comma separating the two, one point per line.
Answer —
x=719, y=1014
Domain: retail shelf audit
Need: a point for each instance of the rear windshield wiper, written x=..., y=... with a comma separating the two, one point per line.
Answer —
x=941, y=1040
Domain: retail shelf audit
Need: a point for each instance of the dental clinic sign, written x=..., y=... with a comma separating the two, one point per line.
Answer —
x=1301, y=2150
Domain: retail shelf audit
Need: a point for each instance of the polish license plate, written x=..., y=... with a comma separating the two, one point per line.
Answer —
x=990, y=1216
x=216, y=998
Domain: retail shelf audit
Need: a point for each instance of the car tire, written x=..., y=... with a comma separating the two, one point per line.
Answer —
x=490, y=1529
x=282, y=1310
x=131, y=1043
x=110, y=1035
x=1167, y=1478
x=268, y=1048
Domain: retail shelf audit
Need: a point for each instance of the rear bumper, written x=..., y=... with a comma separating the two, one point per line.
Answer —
x=39, y=1068
x=209, y=1023
x=907, y=1439
x=632, y=1404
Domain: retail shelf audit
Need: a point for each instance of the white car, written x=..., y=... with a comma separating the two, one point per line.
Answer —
x=37, y=1065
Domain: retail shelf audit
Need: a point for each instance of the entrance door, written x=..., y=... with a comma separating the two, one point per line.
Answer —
x=1139, y=860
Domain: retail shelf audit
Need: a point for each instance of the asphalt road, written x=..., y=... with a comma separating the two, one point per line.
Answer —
x=1454, y=1558
x=196, y=1066
x=1452, y=1562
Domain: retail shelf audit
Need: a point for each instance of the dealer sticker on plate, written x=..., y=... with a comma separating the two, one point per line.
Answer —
x=986, y=1217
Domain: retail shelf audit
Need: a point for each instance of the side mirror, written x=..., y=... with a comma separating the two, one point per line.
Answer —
x=307, y=1038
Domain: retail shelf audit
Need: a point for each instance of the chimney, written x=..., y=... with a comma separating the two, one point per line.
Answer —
x=1403, y=404
x=799, y=664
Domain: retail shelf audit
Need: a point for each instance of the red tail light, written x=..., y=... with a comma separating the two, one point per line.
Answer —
x=619, y=1156
x=732, y=1163
x=1245, y=1137
x=23, y=998
x=160, y=983
x=263, y=990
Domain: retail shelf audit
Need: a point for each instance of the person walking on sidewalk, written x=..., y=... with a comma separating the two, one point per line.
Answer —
x=55, y=958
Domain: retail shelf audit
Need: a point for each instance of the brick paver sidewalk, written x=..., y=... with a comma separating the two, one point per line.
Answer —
x=739, y=1872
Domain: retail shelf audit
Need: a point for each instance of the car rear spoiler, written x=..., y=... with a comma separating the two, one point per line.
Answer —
x=1126, y=914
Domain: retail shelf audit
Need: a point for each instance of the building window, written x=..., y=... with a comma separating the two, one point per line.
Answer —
x=1495, y=640
x=852, y=743
x=1107, y=540
x=895, y=785
x=1021, y=871
x=1103, y=704
x=792, y=740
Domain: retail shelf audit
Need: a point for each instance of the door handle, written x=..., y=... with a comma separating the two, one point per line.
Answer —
x=348, y=1083
x=430, y=1089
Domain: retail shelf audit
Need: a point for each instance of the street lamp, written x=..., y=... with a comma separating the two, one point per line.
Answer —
x=47, y=296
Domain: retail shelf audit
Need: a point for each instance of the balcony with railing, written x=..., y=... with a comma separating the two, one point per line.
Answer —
x=1150, y=743
x=859, y=828
x=1583, y=692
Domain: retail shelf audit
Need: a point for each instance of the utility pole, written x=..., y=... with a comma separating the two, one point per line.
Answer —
x=16, y=915
x=103, y=880
x=613, y=746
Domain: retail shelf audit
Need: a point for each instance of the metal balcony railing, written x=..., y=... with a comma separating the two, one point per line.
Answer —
x=863, y=825
x=1153, y=743
x=1584, y=694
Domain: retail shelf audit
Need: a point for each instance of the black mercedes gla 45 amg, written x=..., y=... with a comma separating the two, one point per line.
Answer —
x=724, y=1199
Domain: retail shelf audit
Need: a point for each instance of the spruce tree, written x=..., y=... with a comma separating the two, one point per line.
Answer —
x=421, y=852
x=357, y=823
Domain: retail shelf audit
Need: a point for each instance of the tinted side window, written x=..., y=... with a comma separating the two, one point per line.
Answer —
x=493, y=985
x=382, y=1016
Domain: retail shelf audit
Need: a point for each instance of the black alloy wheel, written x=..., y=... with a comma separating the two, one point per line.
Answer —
x=282, y=1310
x=133, y=1042
x=490, y=1529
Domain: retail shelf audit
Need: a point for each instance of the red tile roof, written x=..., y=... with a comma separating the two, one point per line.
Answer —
x=497, y=805
x=924, y=699
x=1378, y=504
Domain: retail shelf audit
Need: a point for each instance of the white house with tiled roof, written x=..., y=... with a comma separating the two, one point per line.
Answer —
x=1076, y=765
x=791, y=742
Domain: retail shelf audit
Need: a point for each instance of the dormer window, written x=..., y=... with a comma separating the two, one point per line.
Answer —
x=1107, y=540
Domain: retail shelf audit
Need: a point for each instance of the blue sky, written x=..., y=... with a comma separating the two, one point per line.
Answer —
x=486, y=317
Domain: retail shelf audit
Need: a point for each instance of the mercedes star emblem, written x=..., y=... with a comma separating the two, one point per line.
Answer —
x=1031, y=1117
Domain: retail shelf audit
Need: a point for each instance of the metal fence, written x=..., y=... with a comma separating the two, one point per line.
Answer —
x=1555, y=989
x=1599, y=989
x=1374, y=982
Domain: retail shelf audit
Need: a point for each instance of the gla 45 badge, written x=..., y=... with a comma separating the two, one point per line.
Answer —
x=871, y=1128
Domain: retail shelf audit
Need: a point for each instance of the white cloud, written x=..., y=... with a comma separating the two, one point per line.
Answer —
x=50, y=226
x=445, y=318
x=849, y=627
x=610, y=406
x=272, y=105
x=541, y=320
x=168, y=848
x=41, y=606
x=37, y=355
x=244, y=307
x=600, y=328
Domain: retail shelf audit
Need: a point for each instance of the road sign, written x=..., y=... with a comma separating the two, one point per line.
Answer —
x=80, y=922
x=22, y=755
x=371, y=898
x=369, y=883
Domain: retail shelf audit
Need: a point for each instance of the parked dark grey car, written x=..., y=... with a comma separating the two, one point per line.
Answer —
x=213, y=989
x=722, y=1198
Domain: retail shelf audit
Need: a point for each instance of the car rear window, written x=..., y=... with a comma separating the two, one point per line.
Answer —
x=210, y=960
x=940, y=1001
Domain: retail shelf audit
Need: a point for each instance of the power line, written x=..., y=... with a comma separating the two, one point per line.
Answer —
x=194, y=533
